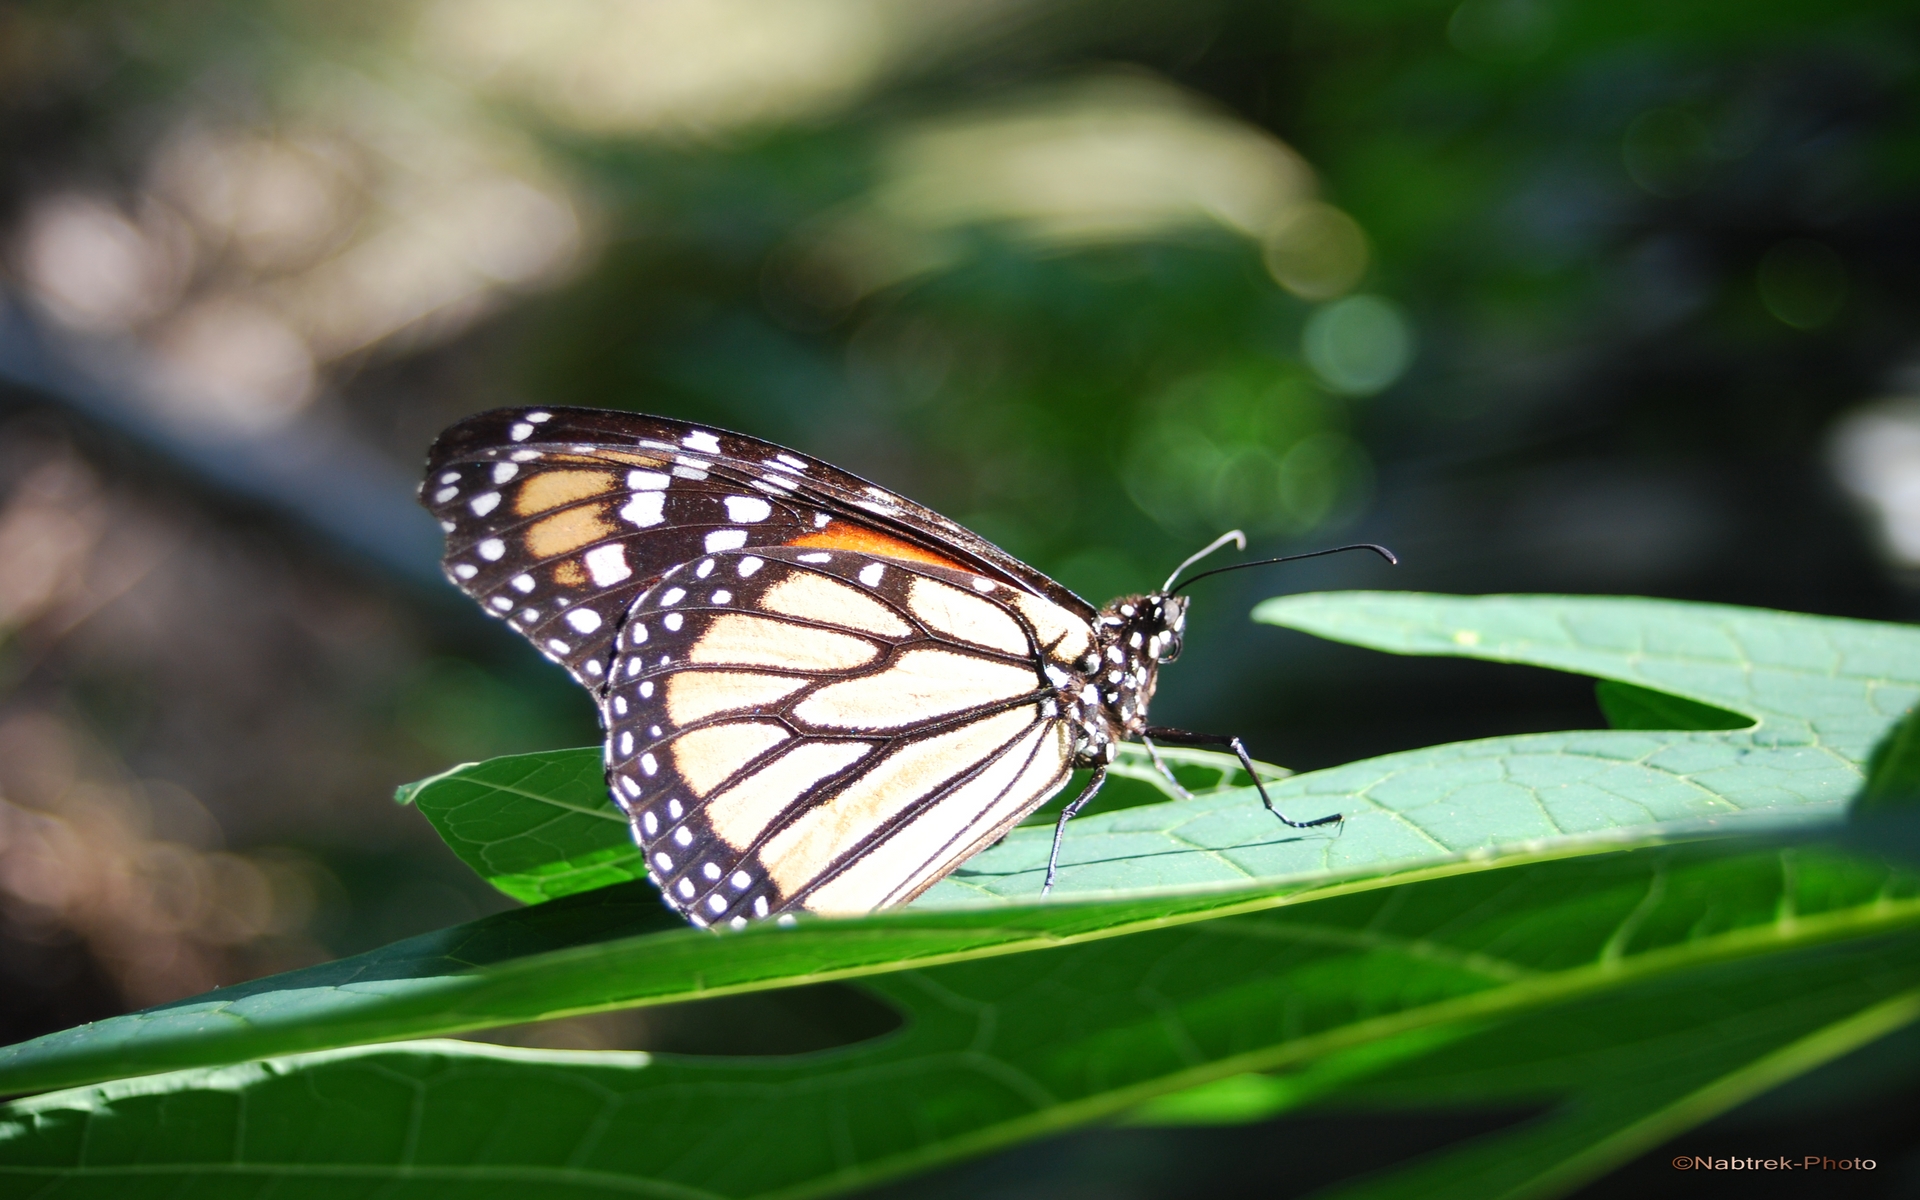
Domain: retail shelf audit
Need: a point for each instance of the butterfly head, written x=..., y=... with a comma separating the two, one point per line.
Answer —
x=1135, y=635
x=1169, y=615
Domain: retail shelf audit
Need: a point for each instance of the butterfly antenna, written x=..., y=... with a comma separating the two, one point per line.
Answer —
x=1382, y=551
x=1238, y=539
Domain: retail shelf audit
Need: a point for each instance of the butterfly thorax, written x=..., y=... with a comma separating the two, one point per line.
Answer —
x=1132, y=637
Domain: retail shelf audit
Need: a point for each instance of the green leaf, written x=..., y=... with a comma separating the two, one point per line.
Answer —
x=1885, y=817
x=1893, y=773
x=1647, y=953
x=536, y=826
x=1816, y=694
x=1630, y=707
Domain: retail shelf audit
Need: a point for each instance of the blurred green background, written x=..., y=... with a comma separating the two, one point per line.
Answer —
x=1547, y=295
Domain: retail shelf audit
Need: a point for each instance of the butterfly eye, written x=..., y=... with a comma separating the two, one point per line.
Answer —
x=1169, y=646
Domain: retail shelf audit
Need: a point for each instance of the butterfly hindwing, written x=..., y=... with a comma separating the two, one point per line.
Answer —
x=829, y=730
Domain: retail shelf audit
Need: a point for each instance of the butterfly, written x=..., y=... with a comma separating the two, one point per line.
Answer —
x=818, y=696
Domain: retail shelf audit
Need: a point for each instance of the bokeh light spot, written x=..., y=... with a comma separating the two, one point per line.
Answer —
x=1359, y=345
x=1316, y=252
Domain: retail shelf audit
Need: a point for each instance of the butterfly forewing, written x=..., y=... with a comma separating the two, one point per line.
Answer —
x=557, y=518
x=825, y=730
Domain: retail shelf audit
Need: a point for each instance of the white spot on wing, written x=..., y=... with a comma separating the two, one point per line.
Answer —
x=704, y=442
x=749, y=565
x=607, y=564
x=493, y=549
x=746, y=510
x=647, y=481
x=539, y=418
x=465, y=570
x=520, y=432
x=673, y=622
x=644, y=508
x=445, y=494
x=726, y=539
x=585, y=620
x=504, y=471
x=484, y=503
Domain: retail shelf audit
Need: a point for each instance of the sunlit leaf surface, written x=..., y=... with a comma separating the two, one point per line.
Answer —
x=536, y=826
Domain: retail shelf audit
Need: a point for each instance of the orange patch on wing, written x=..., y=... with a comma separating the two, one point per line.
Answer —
x=570, y=573
x=551, y=489
x=566, y=531
x=843, y=535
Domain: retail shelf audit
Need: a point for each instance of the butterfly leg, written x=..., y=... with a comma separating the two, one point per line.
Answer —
x=1066, y=814
x=1182, y=737
x=1160, y=765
